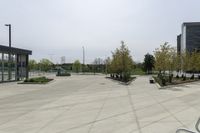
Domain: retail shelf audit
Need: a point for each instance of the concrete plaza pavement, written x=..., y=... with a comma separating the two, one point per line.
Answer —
x=94, y=104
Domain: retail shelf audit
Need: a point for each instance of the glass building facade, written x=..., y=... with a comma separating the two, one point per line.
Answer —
x=189, y=40
x=13, y=63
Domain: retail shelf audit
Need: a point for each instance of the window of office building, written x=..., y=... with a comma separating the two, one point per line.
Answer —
x=6, y=67
x=13, y=67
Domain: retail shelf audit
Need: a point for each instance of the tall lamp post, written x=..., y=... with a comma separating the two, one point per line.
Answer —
x=9, y=26
x=9, y=53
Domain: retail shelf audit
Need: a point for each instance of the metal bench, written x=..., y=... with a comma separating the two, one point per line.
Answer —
x=188, y=131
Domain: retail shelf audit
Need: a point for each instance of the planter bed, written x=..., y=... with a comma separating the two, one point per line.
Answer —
x=37, y=80
x=176, y=81
x=123, y=82
x=63, y=75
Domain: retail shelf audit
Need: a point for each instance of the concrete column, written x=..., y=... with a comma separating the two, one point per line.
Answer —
x=17, y=67
x=9, y=66
x=27, y=69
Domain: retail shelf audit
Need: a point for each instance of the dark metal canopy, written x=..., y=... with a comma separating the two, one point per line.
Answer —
x=6, y=49
x=191, y=23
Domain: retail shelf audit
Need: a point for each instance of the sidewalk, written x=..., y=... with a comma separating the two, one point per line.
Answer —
x=94, y=104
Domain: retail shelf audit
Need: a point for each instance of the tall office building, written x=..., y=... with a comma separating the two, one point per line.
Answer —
x=189, y=40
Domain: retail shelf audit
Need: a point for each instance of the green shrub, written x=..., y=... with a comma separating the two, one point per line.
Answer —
x=126, y=77
x=170, y=78
x=138, y=71
x=184, y=78
x=161, y=80
x=37, y=80
x=64, y=74
x=177, y=77
x=192, y=77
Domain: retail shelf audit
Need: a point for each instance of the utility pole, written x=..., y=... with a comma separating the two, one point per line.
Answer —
x=9, y=54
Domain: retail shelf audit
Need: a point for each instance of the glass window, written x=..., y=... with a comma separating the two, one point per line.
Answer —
x=6, y=67
x=13, y=67
x=0, y=56
x=1, y=67
x=22, y=66
x=5, y=72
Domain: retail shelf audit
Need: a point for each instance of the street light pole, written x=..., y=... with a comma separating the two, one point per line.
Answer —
x=9, y=53
x=9, y=25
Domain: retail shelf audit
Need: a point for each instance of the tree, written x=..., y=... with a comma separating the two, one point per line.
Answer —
x=98, y=65
x=174, y=60
x=122, y=62
x=177, y=63
x=149, y=61
x=194, y=61
x=32, y=65
x=45, y=65
x=185, y=62
x=76, y=66
x=198, y=63
x=162, y=58
x=108, y=65
x=85, y=68
x=166, y=59
x=95, y=63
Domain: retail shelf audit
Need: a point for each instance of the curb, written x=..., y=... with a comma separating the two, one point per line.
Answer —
x=159, y=87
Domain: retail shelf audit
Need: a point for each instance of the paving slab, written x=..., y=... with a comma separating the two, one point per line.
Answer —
x=95, y=104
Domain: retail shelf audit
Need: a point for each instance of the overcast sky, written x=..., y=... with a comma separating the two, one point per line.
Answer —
x=55, y=28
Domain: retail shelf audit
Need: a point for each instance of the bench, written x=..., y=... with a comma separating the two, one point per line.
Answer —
x=151, y=80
